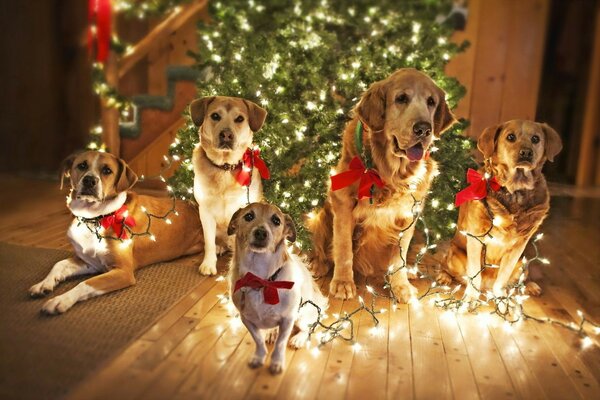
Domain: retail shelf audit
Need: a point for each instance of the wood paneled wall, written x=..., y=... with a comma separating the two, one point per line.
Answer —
x=502, y=67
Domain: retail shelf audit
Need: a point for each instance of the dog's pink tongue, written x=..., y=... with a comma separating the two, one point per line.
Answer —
x=415, y=153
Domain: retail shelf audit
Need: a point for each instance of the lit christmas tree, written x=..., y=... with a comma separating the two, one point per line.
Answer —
x=308, y=64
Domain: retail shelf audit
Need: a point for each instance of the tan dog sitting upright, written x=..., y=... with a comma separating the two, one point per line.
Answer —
x=99, y=188
x=261, y=259
x=226, y=130
x=400, y=116
x=514, y=154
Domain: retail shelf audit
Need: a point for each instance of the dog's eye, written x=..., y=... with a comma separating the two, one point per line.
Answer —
x=82, y=166
x=239, y=119
x=276, y=221
x=402, y=99
x=430, y=101
x=511, y=137
x=106, y=171
x=249, y=216
x=535, y=139
x=215, y=117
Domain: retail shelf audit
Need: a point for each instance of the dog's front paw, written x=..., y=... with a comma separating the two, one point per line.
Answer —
x=256, y=361
x=342, y=288
x=276, y=367
x=405, y=292
x=208, y=268
x=443, y=278
x=58, y=305
x=41, y=289
x=299, y=340
x=533, y=289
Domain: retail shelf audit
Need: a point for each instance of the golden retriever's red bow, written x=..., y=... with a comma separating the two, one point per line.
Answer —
x=251, y=159
x=117, y=221
x=270, y=287
x=478, y=188
x=367, y=176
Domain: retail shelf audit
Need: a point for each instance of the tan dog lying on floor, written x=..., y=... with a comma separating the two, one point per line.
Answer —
x=514, y=154
x=226, y=130
x=99, y=195
x=400, y=116
x=261, y=259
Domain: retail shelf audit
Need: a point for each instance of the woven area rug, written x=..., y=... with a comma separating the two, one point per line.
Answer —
x=44, y=357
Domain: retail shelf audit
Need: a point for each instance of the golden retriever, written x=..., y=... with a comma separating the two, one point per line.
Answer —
x=226, y=128
x=514, y=153
x=401, y=115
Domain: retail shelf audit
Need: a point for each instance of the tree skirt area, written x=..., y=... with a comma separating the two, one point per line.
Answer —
x=46, y=356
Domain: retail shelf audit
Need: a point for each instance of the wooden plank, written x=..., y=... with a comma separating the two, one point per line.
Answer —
x=490, y=61
x=525, y=54
x=457, y=359
x=588, y=151
x=400, y=362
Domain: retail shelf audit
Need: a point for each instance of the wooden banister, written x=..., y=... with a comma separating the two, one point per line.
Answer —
x=162, y=30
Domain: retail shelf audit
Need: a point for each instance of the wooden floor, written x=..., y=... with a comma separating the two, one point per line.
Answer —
x=195, y=351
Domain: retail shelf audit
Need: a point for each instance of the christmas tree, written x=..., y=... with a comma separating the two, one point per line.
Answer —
x=308, y=64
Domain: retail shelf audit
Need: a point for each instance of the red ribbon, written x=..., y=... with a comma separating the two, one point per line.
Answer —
x=270, y=287
x=357, y=171
x=117, y=222
x=251, y=159
x=99, y=15
x=478, y=188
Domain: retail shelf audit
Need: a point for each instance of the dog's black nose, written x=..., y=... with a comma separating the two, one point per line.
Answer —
x=422, y=129
x=526, y=154
x=89, y=181
x=260, y=234
x=226, y=136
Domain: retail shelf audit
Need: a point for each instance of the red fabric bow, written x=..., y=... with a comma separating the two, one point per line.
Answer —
x=357, y=171
x=251, y=159
x=117, y=222
x=270, y=287
x=478, y=188
x=99, y=16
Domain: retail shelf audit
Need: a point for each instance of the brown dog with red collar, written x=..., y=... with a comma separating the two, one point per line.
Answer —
x=112, y=234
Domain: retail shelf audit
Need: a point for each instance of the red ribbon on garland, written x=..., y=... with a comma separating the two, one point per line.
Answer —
x=251, y=159
x=117, y=221
x=270, y=293
x=358, y=171
x=99, y=16
x=478, y=188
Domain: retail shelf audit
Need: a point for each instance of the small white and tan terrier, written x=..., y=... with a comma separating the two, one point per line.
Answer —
x=225, y=127
x=268, y=283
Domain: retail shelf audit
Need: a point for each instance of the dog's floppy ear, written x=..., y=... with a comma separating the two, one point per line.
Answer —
x=553, y=143
x=232, y=228
x=487, y=140
x=256, y=115
x=290, y=228
x=443, y=117
x=65, y=168
x=371, y=108
x=127, y=178
x=198, y=109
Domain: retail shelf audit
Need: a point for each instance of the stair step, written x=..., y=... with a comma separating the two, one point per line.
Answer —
x=175, y=74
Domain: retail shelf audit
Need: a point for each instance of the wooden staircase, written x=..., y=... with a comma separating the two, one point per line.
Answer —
x=158, y=65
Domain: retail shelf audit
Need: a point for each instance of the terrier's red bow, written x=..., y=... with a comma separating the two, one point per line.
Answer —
x=251, y=159
x=357, y=171
x=117, y=221
x=270, y=287
x=478, y=188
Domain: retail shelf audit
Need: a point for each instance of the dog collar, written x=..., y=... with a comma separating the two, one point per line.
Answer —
x=120, y=221
x=245, y=166
x=368, y=177
x=270, y=287
x=478, y=188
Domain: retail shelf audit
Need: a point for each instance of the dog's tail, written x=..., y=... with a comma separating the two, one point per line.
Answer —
x=320, y=225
